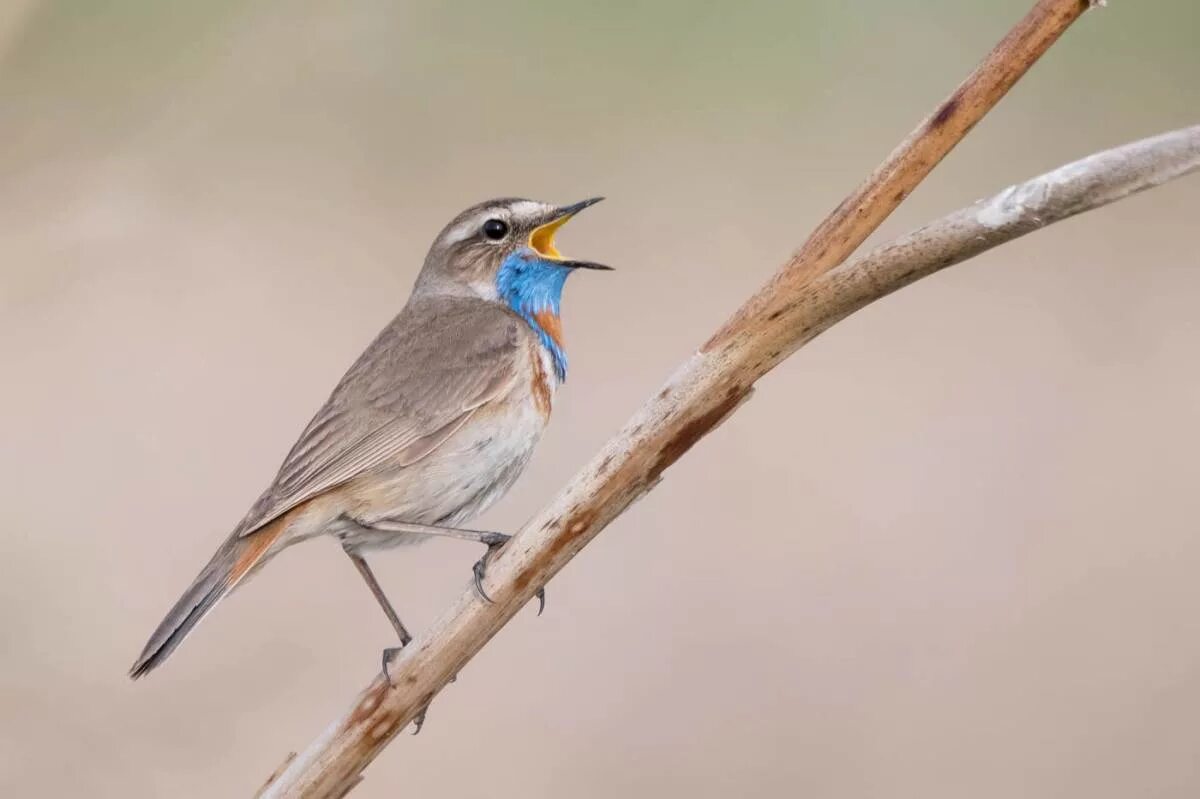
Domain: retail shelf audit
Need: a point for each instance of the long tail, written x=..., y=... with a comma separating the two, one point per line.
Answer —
x=236, y=558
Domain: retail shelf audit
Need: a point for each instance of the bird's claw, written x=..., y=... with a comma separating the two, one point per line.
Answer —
x=480, y=568
x=419, y=721
x=389, y=654
x=494, y=541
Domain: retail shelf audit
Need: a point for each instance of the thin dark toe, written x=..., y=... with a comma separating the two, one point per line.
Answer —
x=541, y=598
x=389, y=655
x=419, y=721
x=479, y=570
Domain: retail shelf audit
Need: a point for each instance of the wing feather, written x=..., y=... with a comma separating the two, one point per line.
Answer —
x=415, y=385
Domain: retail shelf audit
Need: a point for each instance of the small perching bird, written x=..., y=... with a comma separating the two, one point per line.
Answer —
x=433, y=422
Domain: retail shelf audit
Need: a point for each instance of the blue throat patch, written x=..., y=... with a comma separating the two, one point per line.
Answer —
x=531, y=285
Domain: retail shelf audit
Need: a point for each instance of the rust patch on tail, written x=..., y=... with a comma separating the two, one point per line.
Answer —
x=254, y=546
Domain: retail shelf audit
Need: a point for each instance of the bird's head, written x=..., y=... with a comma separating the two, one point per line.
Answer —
x=503, y=251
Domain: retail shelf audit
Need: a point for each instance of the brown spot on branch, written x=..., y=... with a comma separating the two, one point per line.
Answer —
x=691, y=432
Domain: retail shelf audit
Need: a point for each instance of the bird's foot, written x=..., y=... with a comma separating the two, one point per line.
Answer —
x=493, y=542
x=419, y=721
x=390, y=654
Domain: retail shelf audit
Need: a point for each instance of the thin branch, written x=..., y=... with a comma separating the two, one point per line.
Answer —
x=701, y=394
x=1084, y=185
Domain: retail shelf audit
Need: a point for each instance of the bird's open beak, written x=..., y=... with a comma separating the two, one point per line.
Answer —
x=542, y=237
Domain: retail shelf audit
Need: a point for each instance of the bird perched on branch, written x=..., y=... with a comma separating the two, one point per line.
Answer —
x=431, y=425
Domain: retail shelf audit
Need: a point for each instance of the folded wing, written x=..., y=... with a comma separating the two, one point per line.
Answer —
x=418, y=382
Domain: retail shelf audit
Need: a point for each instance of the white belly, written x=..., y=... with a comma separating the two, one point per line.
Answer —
x=464, y=476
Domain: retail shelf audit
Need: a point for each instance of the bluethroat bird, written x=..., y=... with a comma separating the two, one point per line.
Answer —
x=431, y=425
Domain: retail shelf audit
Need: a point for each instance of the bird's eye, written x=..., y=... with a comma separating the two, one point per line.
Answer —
x=495, y=229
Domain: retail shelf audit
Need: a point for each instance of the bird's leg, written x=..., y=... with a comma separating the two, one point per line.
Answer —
x=381, y=598
x=492, y=541
x=361, y=564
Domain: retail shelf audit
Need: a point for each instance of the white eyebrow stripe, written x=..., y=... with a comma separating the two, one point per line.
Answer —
x=465, y=229
x=512, y=213
x=527, y=208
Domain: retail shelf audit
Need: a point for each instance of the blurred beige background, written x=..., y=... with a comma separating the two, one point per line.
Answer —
x=948, y=550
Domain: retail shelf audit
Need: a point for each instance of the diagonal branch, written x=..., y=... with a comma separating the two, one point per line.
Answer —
x=800, y=301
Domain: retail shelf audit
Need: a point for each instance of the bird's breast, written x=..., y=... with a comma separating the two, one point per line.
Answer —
x=466, y=474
